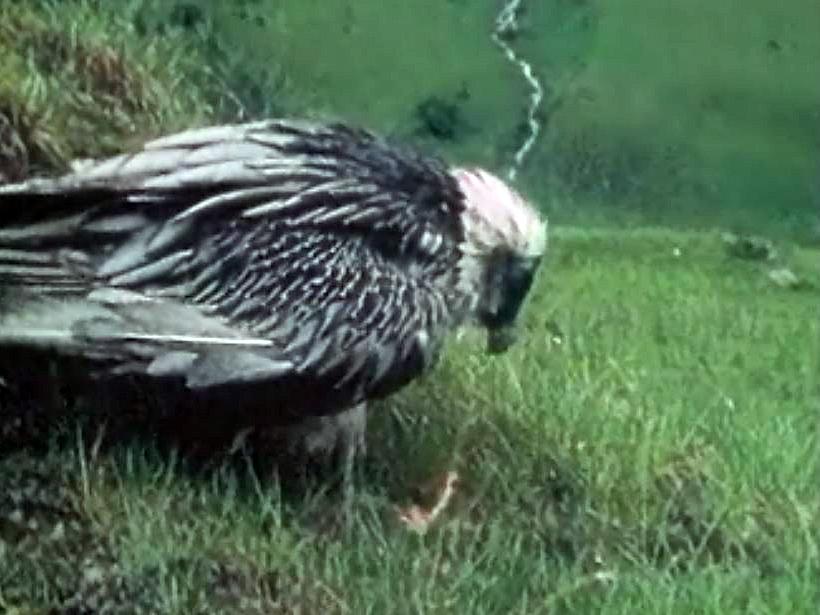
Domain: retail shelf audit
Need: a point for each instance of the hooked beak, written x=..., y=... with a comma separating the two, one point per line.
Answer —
x=512, y=279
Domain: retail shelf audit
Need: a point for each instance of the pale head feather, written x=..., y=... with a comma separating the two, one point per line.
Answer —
x=497, y=216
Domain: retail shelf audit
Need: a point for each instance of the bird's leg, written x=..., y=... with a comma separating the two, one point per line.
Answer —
x=352, y=444
x=339, y=439
x=333, y=441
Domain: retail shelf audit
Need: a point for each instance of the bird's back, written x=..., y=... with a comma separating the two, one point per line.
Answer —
x=298, y=260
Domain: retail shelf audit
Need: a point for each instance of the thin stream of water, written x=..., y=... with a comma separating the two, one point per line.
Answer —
x=506, y=25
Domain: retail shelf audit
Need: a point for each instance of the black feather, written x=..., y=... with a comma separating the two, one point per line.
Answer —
x=285, y=254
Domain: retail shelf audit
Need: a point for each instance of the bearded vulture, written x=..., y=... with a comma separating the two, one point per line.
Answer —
x=299, y=269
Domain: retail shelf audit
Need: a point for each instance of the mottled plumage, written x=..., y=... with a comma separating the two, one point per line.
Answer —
x=315, y=265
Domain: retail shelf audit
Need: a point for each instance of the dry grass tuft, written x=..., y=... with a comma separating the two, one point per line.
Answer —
x=78, y=82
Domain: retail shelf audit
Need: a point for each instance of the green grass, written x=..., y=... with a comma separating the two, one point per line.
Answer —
x=77, y=82
x=372, y=63
x=650, y=446
x=695, y=115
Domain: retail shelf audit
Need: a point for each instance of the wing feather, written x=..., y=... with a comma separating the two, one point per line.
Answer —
x=240, y=253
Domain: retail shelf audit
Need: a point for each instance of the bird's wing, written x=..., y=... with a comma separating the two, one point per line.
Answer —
x=327, y=177
x=236, y=253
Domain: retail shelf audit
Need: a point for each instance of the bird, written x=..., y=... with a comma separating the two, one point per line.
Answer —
x=296, y=269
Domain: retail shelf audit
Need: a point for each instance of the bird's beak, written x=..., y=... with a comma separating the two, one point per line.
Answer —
x=499, y=339
x=510, y=283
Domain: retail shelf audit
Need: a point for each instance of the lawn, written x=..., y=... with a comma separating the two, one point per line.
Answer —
x=651, y=445
x=696, y=114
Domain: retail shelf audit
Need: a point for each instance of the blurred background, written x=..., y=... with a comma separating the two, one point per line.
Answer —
x=695, y=114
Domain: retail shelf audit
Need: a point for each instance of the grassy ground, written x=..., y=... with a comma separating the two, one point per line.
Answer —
x=650, y=446
x=696, y=115
x=76, y=82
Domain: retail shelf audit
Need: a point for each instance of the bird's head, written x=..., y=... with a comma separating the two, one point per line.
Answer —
x=504, y=242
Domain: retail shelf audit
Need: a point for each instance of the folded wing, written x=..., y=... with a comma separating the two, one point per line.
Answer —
x=271, y=251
